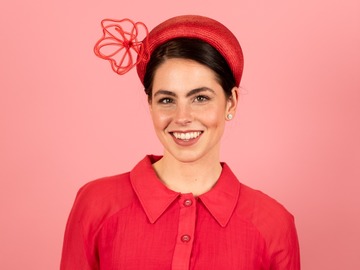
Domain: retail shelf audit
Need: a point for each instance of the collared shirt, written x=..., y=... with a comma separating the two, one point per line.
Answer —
x=133, y=221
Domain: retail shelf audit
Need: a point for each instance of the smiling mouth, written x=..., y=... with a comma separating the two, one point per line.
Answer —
x=186, y=136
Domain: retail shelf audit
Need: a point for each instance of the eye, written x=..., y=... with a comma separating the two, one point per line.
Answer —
x=201, y=98
x=166, y=101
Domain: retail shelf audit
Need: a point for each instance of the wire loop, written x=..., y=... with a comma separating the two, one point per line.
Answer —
x=120, y=44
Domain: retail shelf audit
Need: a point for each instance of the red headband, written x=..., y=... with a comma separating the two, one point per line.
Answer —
x=187, y=26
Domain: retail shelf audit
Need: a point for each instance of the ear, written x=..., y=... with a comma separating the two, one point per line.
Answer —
x=232, y=102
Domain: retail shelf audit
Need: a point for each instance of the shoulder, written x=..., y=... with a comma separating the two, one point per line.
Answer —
x=107, y=192
x=275, y=224
x=95, y=202
x=268, y=215
x=261, y=203
x=106, y=187
x=99, y=199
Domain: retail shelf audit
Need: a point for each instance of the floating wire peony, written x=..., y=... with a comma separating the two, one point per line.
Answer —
x=120, y=44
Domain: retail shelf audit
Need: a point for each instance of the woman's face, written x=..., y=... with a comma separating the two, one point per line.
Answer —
x=189, y=108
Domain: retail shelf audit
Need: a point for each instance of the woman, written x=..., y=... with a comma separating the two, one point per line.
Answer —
x=186, y=209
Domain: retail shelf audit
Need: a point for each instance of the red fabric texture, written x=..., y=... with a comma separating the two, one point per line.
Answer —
x=200, y=27
x=132, y=221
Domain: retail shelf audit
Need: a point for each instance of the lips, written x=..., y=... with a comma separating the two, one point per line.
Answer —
x=186, y=138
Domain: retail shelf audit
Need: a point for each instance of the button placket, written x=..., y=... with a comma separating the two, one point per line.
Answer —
x=186, y=229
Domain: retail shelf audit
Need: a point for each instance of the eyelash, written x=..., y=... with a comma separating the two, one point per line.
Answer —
x=199, y=99
x=166, y=101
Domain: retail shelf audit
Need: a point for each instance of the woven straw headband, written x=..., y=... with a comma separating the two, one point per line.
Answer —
x=122, y=47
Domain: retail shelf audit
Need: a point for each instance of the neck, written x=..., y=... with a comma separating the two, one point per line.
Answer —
x=195, y=177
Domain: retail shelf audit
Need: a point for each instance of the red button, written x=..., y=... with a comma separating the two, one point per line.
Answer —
x=188, y=202
x=185, y=238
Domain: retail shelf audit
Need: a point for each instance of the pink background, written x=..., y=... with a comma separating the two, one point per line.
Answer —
x=67, y=119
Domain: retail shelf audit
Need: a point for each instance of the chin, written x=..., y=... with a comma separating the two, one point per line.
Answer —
x=189, y=156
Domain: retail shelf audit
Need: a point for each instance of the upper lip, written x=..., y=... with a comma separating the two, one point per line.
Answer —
x=186, y=135
x=185, y=131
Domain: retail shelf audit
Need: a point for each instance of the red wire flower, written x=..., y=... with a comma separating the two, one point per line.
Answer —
x=121, y=47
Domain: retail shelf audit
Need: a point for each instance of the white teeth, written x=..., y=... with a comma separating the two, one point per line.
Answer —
x=186, y=136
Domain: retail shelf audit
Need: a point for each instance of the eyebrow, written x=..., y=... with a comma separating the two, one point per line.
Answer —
x=190, y=93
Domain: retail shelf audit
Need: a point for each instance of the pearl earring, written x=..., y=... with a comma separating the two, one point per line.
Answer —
x=229, y=116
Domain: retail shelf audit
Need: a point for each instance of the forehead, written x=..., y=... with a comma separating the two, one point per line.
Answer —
x=179, y=74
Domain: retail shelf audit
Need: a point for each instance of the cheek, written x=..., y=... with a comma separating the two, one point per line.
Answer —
x=212, y=116
x=214, y=120
x=160, y=119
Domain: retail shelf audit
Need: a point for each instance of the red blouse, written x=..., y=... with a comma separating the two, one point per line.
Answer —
x=132, y=221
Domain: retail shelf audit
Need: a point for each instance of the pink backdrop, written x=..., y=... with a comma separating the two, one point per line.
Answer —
x=66, y=118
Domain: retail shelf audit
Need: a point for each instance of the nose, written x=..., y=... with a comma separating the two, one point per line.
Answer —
x=183, y=114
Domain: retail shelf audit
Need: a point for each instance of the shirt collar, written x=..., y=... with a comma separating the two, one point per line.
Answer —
x=155, y=197
x=221, y=200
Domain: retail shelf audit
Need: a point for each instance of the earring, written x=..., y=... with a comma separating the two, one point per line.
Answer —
x=229, y=116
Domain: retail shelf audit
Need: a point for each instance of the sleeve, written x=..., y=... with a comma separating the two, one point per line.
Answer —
x=79, y=252
x=286, y=256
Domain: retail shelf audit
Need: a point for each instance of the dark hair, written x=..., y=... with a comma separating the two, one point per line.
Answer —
x=193, y=49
